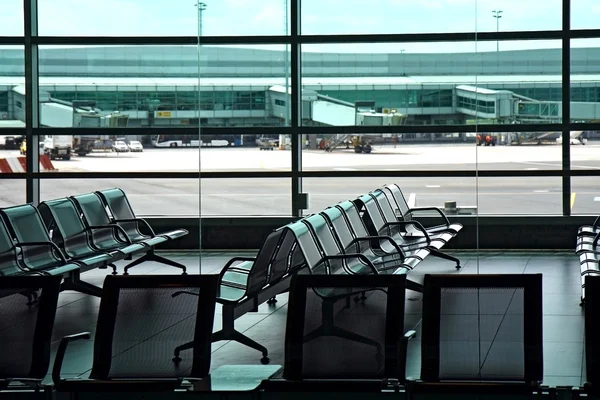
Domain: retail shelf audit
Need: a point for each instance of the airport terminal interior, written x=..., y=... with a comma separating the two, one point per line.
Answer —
x=290, y=198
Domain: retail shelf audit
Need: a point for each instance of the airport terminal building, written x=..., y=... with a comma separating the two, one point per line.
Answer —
x=157, y=85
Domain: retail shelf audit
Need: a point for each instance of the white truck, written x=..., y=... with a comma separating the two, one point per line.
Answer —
x=58, y=146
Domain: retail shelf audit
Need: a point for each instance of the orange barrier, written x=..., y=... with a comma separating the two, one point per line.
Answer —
x=13, y=165
x=46, y=163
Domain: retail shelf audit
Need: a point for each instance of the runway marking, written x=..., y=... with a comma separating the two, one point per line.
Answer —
x=531, y=169
x=573, y=195
x=540, y=191
x=344, y=169
x=596, y=198
x=432, y=186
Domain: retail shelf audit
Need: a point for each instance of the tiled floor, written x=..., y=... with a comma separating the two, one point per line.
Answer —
x=563, y=317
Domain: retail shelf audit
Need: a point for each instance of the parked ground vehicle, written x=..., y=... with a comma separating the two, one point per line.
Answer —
x=120, y=146
x=135, y=146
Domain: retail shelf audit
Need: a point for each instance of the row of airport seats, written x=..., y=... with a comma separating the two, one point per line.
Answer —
x=376, y=233
x=67, y=236
x=479, y=334
x=588, y=251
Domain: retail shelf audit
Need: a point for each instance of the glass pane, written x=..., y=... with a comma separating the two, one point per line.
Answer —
x=244, y=86
x=157, y=18
x=244, y=153
x=246, y=197
x=11, y=18
x=148, y=197
x=389, y=151
x=585, y=195
x=119, y=153
x=432, y=83
x=420, y=192
x=12, y=192
x=584, y=14
x=12, y=89
x=520, y=196
x=392, y=16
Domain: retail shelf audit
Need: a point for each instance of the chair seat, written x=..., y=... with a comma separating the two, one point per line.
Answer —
x=177, y=233
x=95, y=259
x=63, y=269
x=131, y=249
x=153, y=241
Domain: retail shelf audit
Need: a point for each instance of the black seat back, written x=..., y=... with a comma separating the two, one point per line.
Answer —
x=374, y=219
x=384, y=205
x=340, y=227
x=26, y=330
x=26, y=225
x=259, y=275
x=482, y=328
x=120, y=209
x=307, y=250
x=592, y=332
x=67, y=220
x=397, y=198
x=329, y=337
x=352, y=215
x=8, y=254
x=142, y=319
x=94, y=214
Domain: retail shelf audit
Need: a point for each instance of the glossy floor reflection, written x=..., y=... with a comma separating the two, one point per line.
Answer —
x=563, y=317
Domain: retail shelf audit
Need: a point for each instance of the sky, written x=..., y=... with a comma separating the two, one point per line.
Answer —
x=267, y=17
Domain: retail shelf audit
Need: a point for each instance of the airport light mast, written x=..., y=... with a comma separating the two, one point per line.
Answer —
x=201, y=7
x=497, y=14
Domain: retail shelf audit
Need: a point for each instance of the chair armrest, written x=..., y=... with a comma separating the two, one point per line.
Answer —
x=49, y=244
x=416, y=224
x=60, y=353
x=361, y=257
x=403, y=353
x=139, y=221
x=115, y=227
x=446, y=221
x=380, y=238
x=183, y=292
x=228, y=267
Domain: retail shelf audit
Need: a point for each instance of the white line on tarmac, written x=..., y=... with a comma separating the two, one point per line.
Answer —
x=540, y=191
x=432, y=186
x=596, y=198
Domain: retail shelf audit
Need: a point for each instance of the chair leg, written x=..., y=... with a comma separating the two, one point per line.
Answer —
x=74, y=282
x=435, y=252
x=239, y=337
x=152, y=256
x=228, y=332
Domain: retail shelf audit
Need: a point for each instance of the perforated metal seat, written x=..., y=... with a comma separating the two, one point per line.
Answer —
x=39, y=253
x=116, y=204
x=479, y=330
x=141, y=320
x=26, y=329
x=330, y=339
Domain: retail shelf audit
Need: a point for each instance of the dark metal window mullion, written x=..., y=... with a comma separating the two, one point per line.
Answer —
x=30, y=9
x=566, y=107
x=296, y=104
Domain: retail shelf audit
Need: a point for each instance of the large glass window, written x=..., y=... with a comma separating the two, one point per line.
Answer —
x=157, y=18
x=440, y=16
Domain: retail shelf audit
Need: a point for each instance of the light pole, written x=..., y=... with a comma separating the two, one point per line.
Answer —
x=201, y=7
x=497, y=14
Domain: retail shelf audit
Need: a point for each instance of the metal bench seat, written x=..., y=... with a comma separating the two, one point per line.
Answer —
x=40, y=253
x=77, y=237
x=94, y=214
x=381, y=224
x=406, y=212
x=382, y=259
x=247, y=282
x=122, y=214
x=140, y=321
